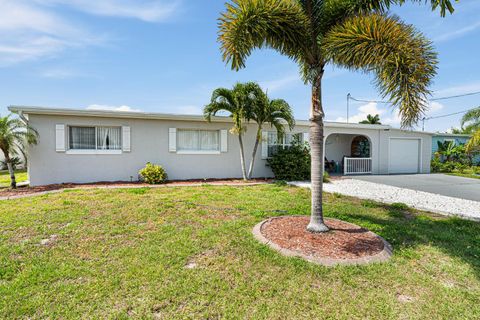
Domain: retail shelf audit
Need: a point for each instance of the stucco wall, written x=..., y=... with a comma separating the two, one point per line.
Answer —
x=149, y=143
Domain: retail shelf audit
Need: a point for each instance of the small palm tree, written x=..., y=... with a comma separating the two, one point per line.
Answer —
x=264, y=111
x=473, y=145
x=14, y=135
x=358, y=35
x=234, y=101
x=371, y=119
x=471, y=121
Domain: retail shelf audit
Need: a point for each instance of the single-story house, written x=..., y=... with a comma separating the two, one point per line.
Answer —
x=80, y=146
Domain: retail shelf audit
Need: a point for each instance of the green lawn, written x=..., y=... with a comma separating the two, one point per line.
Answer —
x=122, y=254
x=466, y=174
x=20, y=175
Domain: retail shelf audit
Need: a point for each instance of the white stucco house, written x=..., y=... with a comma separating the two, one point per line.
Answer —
x=81, y=146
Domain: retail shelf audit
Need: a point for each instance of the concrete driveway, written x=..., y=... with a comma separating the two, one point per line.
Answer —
x=450, y=186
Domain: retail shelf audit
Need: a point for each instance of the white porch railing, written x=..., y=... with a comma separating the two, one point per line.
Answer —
x=357, y=166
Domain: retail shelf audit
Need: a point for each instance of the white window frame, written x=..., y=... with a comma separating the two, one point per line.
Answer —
x=283, y=144
x=198, y=152
x=95, y=151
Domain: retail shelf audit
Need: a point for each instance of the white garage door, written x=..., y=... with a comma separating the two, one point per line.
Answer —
x=404, y=155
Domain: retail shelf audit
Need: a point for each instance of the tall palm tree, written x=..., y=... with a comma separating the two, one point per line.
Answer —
x=471, y=121
x=371, y=119
x=355, y=34
x=264, y=111
x=14, y=134
x=234, y=101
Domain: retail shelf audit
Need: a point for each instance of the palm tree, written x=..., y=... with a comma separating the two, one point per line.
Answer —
x=371, y=119
x=235, y=101
x=471, y=121
x=358, y=35
x=14, y=134
x=265, y=111
x=473, y=144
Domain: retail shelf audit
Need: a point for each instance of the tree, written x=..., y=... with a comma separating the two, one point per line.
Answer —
x=235, y=101
x=358, y=35
x=14, y=134
x=371, y=119
x=264, y=111
x=473, y=145
x=471, y=121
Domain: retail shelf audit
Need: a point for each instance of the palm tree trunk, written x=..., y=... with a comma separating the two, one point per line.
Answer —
x=242, y=157
x=13, y=182
x=316, y=148
x=254, y=153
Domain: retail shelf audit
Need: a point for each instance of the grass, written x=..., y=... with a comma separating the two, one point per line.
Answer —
x=122, y=254
x=20, y=175
x=465, y=174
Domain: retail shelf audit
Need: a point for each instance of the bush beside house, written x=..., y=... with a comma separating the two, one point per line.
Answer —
x=153, y=174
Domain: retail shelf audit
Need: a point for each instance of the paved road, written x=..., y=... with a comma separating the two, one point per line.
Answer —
x=451, y=186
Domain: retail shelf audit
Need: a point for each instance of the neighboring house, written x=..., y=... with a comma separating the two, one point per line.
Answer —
x=89, y=145
x=457, y=139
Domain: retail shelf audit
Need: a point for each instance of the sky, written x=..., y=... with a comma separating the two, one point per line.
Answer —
x=163, y=56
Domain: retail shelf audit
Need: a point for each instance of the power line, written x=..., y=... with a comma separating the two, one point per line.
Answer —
x=449, y=114
x=433, y=99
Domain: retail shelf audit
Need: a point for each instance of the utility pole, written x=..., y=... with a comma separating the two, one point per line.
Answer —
x=348, y=106
x=423, y=123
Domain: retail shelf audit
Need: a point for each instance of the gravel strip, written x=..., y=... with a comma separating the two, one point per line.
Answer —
x=467, y=209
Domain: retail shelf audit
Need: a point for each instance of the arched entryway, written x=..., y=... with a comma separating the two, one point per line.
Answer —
x=348, y=154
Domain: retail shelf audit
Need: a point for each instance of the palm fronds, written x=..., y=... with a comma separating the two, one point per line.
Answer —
x=402, y=59
x=252, y=24
x=471, y=120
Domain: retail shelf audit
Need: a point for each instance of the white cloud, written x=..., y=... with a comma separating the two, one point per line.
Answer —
x=461, y=89
x=29, y=32
x=434, y=107
x=278, y=84
x=146, y=10
x=36, y=29
x=190, y=110
x=60, y=73
x=112, y=108
x=386, y=117
x=457, y=33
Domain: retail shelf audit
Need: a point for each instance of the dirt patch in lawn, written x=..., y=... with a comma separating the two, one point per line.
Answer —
x=346, y=243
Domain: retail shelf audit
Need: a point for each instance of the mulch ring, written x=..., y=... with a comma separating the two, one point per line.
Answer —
x=20, y=192
x=345, y=244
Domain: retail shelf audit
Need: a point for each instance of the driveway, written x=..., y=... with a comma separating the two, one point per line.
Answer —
x=450, y=186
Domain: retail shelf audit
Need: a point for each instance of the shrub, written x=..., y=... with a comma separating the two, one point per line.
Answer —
x=436, y=164
x=476, y=169
x=461, y=167
x=291, y=163
x=448, y=166
x=153, y=174
x=326, y=177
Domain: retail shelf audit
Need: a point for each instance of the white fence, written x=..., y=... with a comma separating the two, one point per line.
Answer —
x=357, y=166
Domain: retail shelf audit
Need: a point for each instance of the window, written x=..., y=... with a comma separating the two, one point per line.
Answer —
x=274, y=143
x=198, y=140
x=95, y=138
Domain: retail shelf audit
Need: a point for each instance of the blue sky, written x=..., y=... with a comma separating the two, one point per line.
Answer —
x=163, y=56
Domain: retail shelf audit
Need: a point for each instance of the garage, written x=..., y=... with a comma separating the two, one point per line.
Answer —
x=404, y=155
